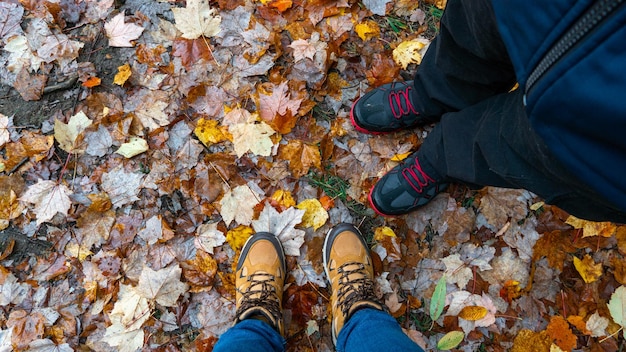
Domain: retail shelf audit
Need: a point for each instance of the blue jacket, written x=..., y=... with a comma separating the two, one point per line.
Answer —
x=575, y=85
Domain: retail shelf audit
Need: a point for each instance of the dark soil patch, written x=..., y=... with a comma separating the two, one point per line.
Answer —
x=24, y=247
x=30, y=114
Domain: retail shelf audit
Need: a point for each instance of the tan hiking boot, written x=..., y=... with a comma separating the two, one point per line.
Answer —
x=349, y=269
x=259, y=280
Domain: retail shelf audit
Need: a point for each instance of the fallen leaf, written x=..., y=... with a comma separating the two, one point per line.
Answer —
x=130, y=309
x=238, y=204
x=209, y=133
x=49, y=199
x=302, y=49
x=301, y=156
x=29, y=86
x=163, y=286
x=473, y=313
x=126, y=341
x=438, y=300
x=122, y=34
x=67, y=135
x=278, y=108
x=253, y=137
x=26, y=327
x=450, y=340
x=282, y=225
x=315, y=215
x=4, y=129
x=208, y=237
x=47, y=345
x=238, y=236
x=409, y=52
x=197, y=19
x=92, y=82
x=367, y=30
x=588, y=269
x=597, y=325
x=560, y=332
x=135, y=146
x=378, y=7
x=123, y=73
x=200, y=272
x=121, y=186
x=617, y=307
x=592, y=228
x=527, y=340
x=152, y=114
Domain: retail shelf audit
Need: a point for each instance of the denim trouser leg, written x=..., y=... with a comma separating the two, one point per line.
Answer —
x=374, y=330
x=250, y=335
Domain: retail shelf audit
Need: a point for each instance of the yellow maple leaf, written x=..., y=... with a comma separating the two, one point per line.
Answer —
x=382, y=232
x=315, y=215
x=238, y=236
x=592, y=228
x=409, y=52
x=209, y=133
x=588, y=269
x=122, y=75
x=135, y=146
x=367, y=30
x=283, y=198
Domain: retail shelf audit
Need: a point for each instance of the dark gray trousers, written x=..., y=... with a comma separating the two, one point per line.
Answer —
x=483, y=136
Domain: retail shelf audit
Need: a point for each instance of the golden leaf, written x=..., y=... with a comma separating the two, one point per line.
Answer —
x=579, y=323
x=238, y=236
x=367, y=30
x=122, y=75
x=409, y=52
x=592, y=228
x=473, y=313
x=301, y=157
x=209, y=133
x=315, y=215
x=527, y=340
x=283, y=198
x=588, y=269
x=382, y=232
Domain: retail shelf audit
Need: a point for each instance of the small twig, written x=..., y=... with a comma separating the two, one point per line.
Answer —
x=612, y=335
x=62, y=85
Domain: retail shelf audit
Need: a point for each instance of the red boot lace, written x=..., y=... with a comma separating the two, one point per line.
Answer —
x=416, y=177
x=400, y=103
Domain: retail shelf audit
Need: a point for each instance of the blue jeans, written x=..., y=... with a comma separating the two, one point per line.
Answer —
x=367, y=330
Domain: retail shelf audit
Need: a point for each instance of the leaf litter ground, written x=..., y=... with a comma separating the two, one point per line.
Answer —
x=246, y=129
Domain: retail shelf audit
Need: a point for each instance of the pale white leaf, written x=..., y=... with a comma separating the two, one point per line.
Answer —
x=49, y=199
x=67, y=134
x=130, y=309
x=197, y=19
x=121, y=186
x=125, y=341
x=47, y=345
x=208, y=237
x=163, y=286
x=597, y=325
x=238, y=204
x=302, y=49
x=4, y=129
x=378, y=7
x=282, y=225
x=153, y=115
x=135, y=146
x=98, y=142
x=253, y=137
x=121, y=34
x=153, y=230
x=457, y=272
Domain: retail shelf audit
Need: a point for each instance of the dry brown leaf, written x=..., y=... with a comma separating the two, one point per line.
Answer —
x=302, y=157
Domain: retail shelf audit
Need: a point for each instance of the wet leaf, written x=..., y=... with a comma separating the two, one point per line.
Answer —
x=67, y=135
x=617, y=307
x=120, y=33
x=438, y=300
x=49, y=199
x=588, y=269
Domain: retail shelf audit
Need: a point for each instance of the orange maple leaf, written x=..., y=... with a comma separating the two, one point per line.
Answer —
x=302, y=157
x=558, y=329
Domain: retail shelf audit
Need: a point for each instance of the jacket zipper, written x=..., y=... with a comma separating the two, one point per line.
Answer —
x=589, y=21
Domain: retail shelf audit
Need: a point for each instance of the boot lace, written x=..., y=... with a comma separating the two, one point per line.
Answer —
x=416, y=177
x=261, y=293
x=400, y=103
x=354, y=286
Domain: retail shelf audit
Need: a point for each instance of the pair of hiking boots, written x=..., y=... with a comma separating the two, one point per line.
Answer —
x=261, y=271
x=414, y=182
